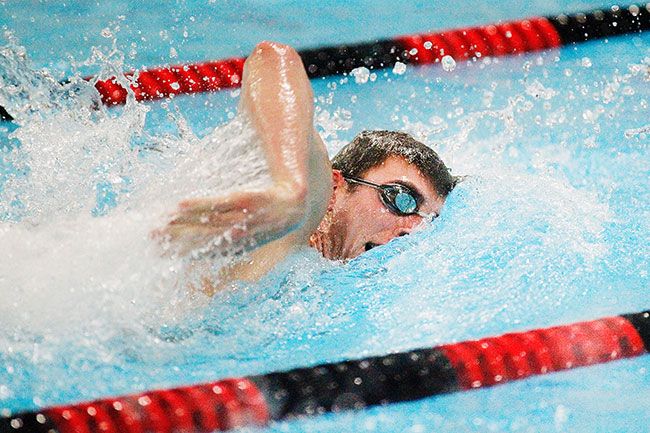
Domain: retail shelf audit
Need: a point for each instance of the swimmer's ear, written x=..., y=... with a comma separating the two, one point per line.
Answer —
x=337, y=182
x=337, y=179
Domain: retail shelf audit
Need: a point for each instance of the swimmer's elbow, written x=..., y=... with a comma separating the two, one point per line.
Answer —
x=291, y=200
x=293, y=193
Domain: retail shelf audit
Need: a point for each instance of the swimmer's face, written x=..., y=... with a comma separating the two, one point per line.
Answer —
x=360, y=221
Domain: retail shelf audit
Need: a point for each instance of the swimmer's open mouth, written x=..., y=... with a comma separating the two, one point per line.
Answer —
x=370, y=245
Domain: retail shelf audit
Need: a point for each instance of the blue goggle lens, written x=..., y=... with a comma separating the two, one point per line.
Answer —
x=405, y=202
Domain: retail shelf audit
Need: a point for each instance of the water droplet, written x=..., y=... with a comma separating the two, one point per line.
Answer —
x=360, y=75
x=399, y=68
x=628, y=91
x=561, y=416
x=641, y=132
x=448, y=63
x=590, y=142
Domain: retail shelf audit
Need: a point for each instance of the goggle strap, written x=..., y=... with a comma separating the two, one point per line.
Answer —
x=363, y=182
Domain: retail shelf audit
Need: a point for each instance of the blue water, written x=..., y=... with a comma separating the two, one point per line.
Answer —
x=551, y=227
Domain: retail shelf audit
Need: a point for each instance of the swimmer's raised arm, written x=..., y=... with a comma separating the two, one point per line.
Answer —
x=277, y=98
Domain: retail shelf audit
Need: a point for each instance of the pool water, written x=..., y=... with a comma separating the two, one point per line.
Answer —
x=552, y=225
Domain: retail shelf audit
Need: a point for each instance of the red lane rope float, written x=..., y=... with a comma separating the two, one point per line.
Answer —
x=509, y=357
x=254, y=401
x=162, y=82
x=217, y=406
x=514, y=37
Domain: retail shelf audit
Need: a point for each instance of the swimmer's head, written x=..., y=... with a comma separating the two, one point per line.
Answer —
x=371, y=148
x=358, y=217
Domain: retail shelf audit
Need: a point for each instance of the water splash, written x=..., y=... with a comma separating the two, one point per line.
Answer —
x=67, y=268
x=27, y=94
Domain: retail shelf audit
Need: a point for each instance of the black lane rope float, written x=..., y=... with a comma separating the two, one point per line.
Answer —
x=257, y=400
x=514, y=37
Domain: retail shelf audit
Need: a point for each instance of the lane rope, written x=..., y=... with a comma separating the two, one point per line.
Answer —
x=348, y=385
x=510, y=38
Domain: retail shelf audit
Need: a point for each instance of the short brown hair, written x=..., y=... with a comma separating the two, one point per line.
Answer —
x=371, y=148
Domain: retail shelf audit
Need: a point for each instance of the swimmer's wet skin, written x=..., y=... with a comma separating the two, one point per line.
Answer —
x=312, y=201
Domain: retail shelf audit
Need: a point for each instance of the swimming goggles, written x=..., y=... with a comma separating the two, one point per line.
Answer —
x=399, y=199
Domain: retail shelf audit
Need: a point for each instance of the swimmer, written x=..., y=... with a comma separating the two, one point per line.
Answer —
x=381, y=185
